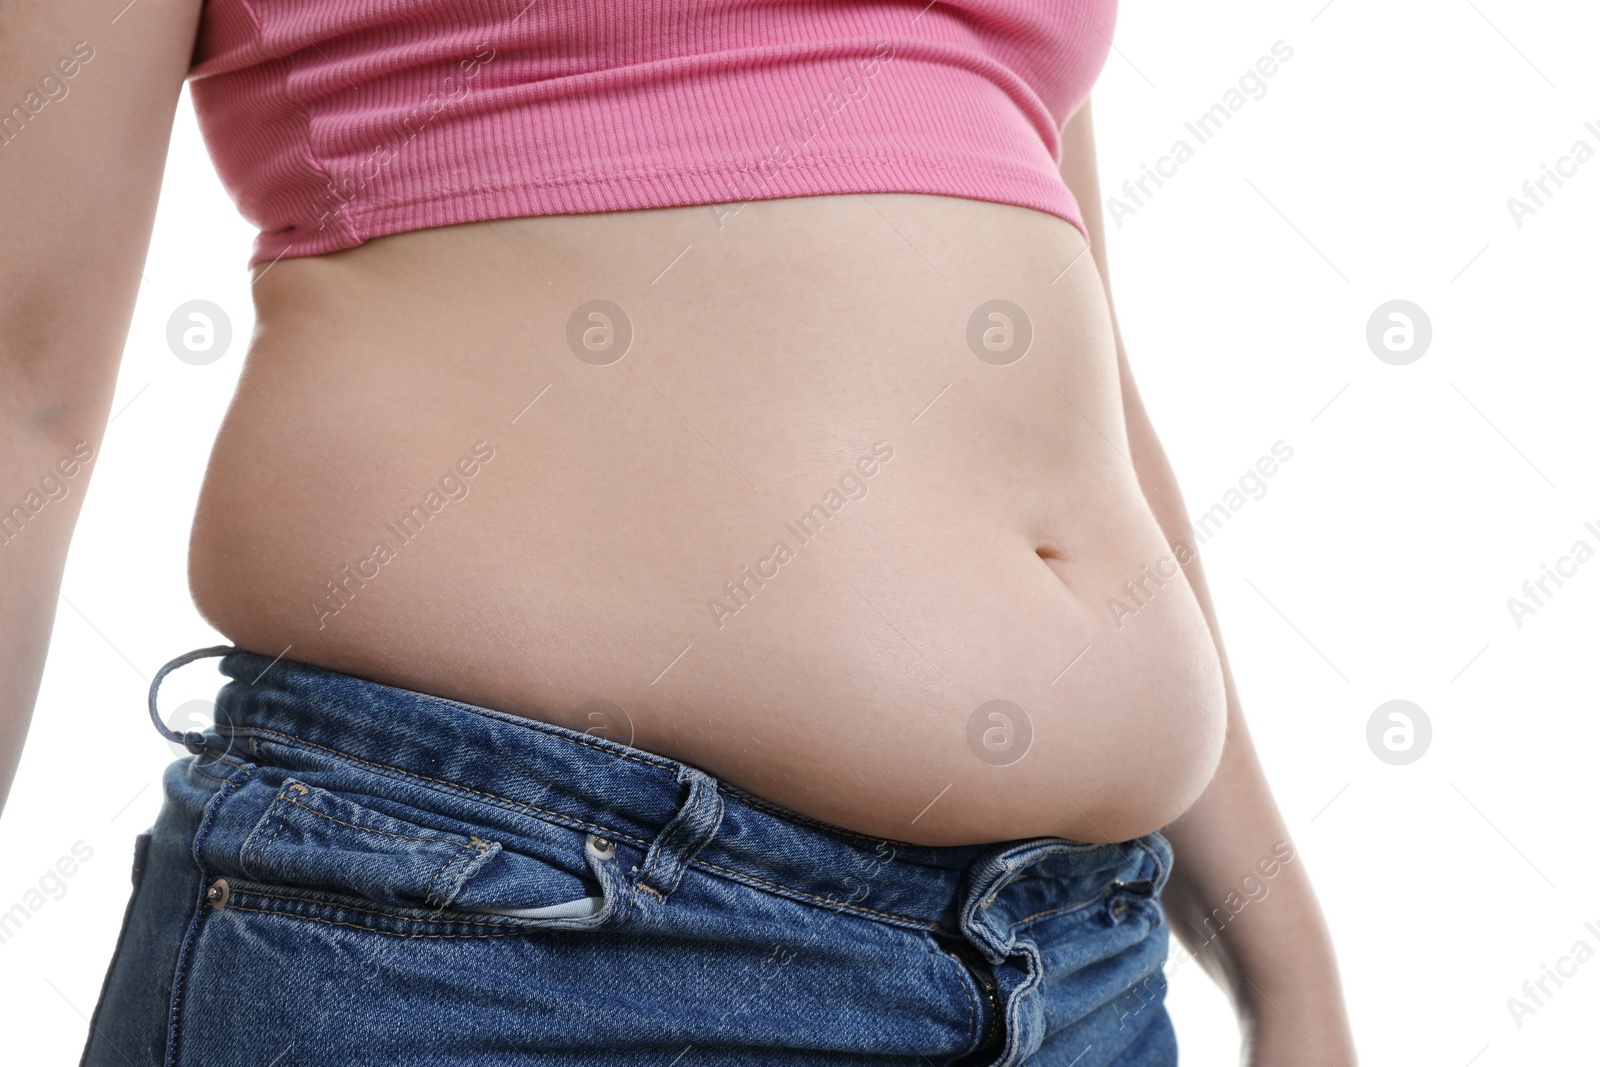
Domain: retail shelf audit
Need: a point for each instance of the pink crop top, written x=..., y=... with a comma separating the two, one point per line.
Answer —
x=335, y=121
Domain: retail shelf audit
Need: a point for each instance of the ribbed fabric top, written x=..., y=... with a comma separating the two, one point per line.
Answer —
x=335, y=121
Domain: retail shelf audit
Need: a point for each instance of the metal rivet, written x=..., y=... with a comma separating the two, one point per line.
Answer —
x=600, y=848
x=217, y=894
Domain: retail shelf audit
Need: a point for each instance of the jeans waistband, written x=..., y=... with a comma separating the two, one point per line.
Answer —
x=677, y=814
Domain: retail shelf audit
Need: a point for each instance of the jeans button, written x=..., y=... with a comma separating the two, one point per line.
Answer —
x=599, y=847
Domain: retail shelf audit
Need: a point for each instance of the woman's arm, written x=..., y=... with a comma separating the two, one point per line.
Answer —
x=87, y=96
x=1274, y=958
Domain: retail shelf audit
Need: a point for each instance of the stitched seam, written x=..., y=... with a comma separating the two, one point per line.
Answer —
x=972, y=1021
x=741, y=876
x=218, y=759
x=606, y=831
x=261, y=849
x=365, y=911
x=255, y=845
x=1087, y=901
x=192, y=930
x=1034, y=980
x=370, y=929
x=367, y=829
x=505, y=718
x=628, y=900
x=479, y=854
x=451, y=862
x=660, y=766
x=248, y=850
x=731, y=170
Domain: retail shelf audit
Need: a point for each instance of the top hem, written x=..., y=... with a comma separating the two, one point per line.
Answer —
x=360, y=222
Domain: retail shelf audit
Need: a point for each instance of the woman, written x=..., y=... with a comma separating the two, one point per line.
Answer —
x=702, y=585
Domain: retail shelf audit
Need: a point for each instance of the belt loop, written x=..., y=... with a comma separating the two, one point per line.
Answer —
x=192, y=740
x=689, y=831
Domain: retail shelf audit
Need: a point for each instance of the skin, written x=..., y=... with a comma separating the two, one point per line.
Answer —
x=580, y=560
x=1275, y=959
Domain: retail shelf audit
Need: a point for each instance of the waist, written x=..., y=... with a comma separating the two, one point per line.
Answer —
x=804, y=501
x=524, y=781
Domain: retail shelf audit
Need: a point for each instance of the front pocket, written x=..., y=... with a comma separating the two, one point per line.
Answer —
x=313, y=839
x=377, y=857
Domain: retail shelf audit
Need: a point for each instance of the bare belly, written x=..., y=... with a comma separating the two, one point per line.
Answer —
x=785, y=516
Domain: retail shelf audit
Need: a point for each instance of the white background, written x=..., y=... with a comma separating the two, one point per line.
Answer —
x=1377, y=566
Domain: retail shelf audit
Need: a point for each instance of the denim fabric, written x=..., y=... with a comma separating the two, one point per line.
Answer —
x=354, y=874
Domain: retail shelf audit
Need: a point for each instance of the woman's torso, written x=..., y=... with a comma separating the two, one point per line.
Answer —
x=789, y=506
x=800, y=372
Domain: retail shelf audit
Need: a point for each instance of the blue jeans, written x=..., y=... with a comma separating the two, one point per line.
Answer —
x=347, y=874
